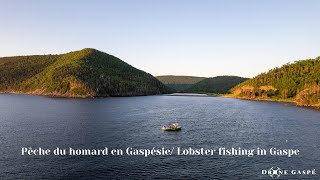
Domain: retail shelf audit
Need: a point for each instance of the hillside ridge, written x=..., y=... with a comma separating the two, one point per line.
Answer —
x=298, y=82
x=84, y=73
x=216, y=85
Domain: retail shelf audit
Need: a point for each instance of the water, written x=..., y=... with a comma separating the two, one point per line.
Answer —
x=208, y=122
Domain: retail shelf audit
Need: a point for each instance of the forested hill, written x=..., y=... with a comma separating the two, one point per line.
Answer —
x=298, y=81
x=179, y=83
x=192, y=84
x=84, y=73
x=217, y=85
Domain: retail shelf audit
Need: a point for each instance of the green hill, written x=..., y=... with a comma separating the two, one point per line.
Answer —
x=298, y=81
x=179, y=83
x=217, y=85
x=84, y=73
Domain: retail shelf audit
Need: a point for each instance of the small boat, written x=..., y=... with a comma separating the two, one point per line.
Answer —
x=172, y=127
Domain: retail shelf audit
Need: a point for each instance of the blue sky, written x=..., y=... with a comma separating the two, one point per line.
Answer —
x=190, y=37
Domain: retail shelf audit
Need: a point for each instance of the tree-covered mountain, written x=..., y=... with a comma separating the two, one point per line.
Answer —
x=298, y=81
x=217, y=85
x=84, y=73
x=179, y=83
x=192, y=84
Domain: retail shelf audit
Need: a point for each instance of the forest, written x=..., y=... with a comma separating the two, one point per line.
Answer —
x=193, y=84
x=216, y=85
x=298, y=81
x=84, y=73
x=179, y=83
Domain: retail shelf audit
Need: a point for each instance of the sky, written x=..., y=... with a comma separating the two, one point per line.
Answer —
x=168, y=37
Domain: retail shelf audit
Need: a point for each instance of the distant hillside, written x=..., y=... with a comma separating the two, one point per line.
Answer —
x=84, y=73
x=179, y=83
x=218, y=85
x=170, y=79
x=299, y=81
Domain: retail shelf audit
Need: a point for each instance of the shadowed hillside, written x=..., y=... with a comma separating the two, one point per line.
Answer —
x=192, y=84
x=217, y=85
x=179, y=83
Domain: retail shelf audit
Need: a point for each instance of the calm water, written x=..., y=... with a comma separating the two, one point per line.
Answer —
x=30, y=121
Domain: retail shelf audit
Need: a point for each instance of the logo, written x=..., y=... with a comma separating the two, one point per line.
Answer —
x=277, y=172
x=273, y=172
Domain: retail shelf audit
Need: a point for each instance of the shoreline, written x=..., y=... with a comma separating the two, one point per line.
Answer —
x=260, y=99
x=291, y=101
x=188, y=94
x=52, y=95
x=46, y=95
